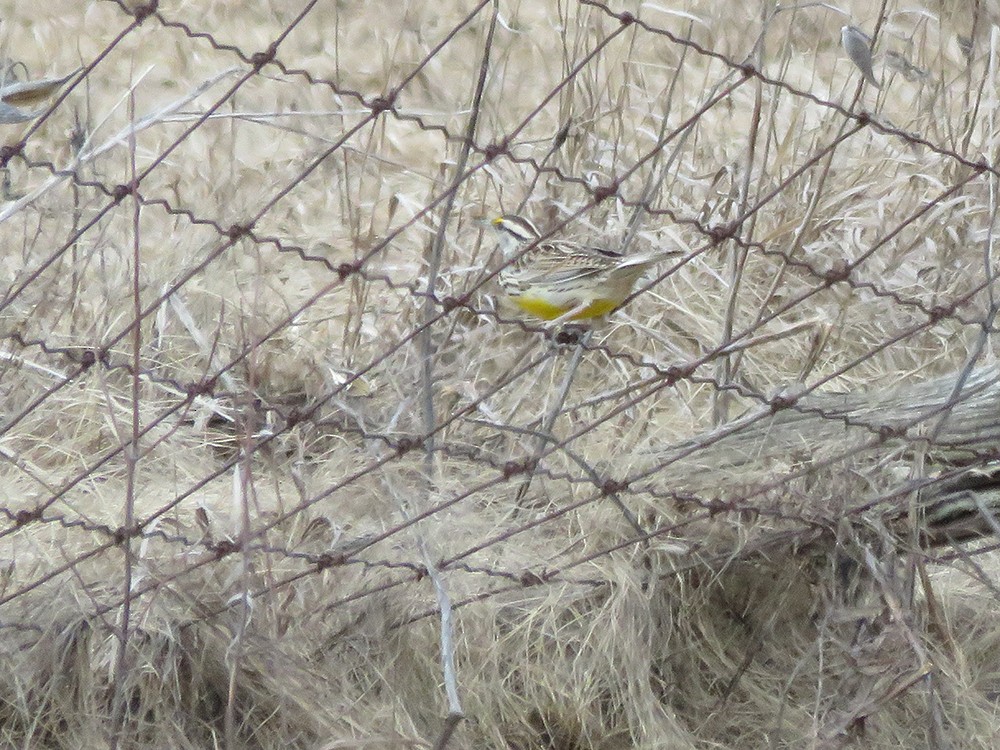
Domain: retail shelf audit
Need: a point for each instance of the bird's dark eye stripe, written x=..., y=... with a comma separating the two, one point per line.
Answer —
x=520, y=232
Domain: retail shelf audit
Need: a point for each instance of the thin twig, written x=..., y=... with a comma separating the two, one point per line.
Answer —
x=548, y=421
x=426, y=344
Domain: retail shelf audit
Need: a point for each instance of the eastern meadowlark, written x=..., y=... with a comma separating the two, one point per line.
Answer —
x=559, y=281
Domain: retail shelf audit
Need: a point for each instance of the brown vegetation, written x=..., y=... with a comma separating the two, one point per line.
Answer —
x=272, y=455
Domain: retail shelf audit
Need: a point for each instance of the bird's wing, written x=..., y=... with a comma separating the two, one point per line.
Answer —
x=557, y=262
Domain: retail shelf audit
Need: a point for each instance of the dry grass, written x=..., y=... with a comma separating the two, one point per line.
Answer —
x=270, y=531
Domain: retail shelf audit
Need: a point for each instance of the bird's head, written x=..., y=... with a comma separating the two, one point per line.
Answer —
x=514, y=231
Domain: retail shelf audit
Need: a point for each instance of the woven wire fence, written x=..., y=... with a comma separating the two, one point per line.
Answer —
x=256, y=370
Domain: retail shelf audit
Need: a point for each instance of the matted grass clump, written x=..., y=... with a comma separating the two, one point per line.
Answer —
x=282, y=471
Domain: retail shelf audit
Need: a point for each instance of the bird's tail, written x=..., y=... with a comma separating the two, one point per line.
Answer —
x=650, y=259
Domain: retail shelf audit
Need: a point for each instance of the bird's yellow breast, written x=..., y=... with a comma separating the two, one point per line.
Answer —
x=547, y=310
